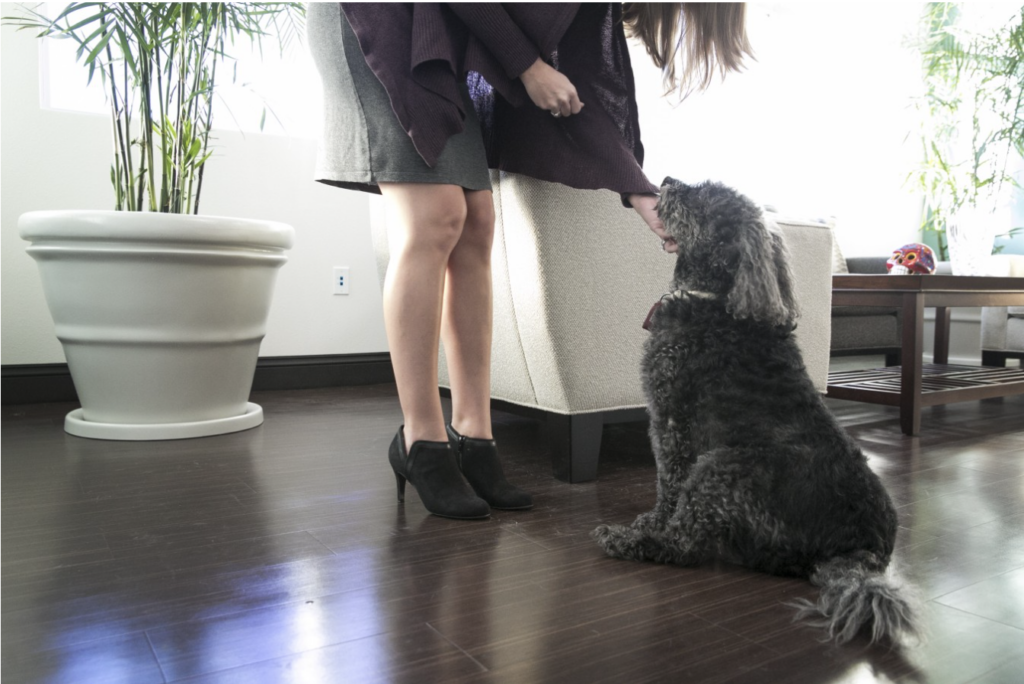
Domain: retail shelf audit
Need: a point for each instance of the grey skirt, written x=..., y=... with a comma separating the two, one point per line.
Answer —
x=363, y=143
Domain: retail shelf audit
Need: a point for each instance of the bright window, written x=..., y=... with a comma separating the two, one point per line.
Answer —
x=821, y=125
x=288, y=84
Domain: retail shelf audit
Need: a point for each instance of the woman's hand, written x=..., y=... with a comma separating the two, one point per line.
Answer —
x=646, y=206
x=550, y=90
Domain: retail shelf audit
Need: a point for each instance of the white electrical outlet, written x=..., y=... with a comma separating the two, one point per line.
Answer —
x=341, y=279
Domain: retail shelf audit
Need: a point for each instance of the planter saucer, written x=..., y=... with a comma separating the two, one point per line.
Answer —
x=74, y=424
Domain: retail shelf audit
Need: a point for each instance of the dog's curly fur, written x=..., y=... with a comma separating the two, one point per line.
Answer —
x=752, y=466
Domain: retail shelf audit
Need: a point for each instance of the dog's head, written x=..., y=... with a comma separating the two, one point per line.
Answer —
x=726, y=247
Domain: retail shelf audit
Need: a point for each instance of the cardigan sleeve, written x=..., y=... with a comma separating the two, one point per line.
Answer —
x=491, y=24
x=600, y=147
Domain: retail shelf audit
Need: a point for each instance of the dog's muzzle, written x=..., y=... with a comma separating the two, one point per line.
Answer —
x=672, y=182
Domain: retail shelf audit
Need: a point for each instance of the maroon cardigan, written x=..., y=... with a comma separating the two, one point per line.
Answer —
x=421, y=52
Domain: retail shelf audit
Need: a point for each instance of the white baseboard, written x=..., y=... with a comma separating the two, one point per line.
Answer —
x=958, y=360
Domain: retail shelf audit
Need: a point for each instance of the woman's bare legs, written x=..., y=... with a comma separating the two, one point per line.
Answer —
x=439, y=282
x=467, y=319
x=425, y=223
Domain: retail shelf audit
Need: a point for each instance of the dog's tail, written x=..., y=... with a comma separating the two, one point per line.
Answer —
x=855, y=595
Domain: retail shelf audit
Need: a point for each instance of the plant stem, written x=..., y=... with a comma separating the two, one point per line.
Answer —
x=125, y=190
x=126, y=113
x=209, y=111
x=176, y=169
x=164, y=101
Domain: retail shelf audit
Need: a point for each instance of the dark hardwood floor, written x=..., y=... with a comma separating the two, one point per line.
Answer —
x=280, y=554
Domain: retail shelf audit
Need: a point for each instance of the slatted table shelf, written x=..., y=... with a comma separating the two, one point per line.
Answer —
x=885, y=383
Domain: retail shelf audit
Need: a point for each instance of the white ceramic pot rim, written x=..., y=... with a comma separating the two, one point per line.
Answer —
x=151, y=226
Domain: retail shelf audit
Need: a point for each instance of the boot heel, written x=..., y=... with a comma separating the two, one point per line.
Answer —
x=400, y=482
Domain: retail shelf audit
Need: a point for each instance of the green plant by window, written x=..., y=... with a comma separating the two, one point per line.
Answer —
x=972, y=114
x=160, y=64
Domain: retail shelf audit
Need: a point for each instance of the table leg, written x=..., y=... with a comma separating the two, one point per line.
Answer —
x=941, y=355
x=912, y=348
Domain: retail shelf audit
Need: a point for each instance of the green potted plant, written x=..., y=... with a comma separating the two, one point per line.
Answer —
x=972, y=130
x=160, y=311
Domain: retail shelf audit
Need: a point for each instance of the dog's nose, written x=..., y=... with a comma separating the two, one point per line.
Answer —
x=671, y=182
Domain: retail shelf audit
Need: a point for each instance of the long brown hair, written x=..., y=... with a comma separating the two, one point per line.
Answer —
x=713, y=35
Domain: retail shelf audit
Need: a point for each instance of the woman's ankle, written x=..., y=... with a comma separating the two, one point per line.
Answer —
x=423, y=433
x=478, y=429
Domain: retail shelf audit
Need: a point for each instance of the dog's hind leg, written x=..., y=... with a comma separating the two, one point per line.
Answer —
x=717, y=510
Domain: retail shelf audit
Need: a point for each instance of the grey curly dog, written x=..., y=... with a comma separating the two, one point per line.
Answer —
x=752, y=466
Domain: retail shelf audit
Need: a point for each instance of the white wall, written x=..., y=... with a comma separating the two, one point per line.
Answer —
x=60, y=160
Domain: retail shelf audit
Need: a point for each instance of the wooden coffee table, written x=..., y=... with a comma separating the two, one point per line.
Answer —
x=915, y=384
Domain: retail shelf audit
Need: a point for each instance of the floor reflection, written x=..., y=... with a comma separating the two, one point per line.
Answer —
x=151, y=560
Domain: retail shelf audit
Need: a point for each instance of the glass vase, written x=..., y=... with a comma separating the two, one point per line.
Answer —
x=971, y=234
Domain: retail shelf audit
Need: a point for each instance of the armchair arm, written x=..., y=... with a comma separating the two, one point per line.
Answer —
x=867, y=264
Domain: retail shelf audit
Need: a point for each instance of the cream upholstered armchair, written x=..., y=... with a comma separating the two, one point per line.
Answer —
x=575, y=274
x=1002, y=327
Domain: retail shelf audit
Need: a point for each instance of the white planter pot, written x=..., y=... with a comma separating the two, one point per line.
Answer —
x=160, y=315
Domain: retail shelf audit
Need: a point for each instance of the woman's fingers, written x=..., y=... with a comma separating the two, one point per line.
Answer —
x=647, y=207
x=569, y=103
x=550, y=90
x=566, y=103
x=574, y=103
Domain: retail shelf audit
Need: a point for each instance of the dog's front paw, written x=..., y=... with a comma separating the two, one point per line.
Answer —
x=651, y=521
x=618, y=541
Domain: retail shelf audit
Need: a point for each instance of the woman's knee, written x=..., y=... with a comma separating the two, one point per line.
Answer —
x=478, y=233
x=439, y=228
x=431, y=218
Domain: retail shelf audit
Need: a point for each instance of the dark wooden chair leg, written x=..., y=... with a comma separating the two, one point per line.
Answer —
x=575, y=442
x=993, y=358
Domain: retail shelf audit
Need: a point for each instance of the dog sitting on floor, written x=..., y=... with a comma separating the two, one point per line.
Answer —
x=752, y=466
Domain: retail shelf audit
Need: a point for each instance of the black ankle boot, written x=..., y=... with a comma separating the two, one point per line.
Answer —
x=478, y=461
x=432, y=470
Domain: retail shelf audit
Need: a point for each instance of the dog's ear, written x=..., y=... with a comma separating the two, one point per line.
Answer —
x=763, y=284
